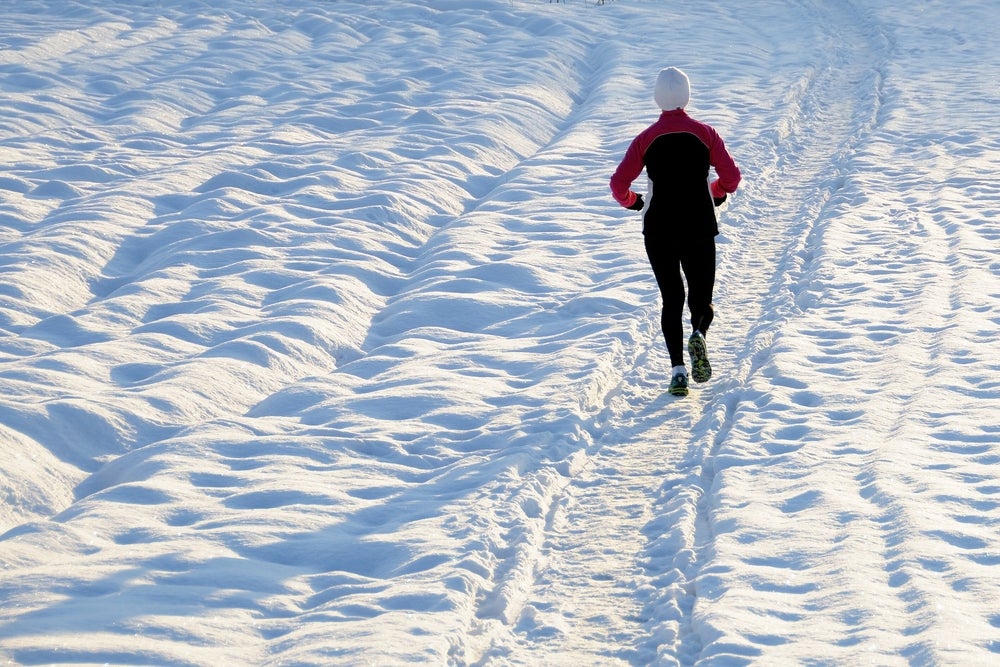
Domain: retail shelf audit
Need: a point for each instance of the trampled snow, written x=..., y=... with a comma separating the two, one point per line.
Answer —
x=323, y=342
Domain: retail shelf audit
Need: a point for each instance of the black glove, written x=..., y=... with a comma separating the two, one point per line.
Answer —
x=637, y=204
x=719, y=201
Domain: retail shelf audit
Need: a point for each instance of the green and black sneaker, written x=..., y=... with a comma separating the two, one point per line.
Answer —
x=701, y=370
x=679, y=384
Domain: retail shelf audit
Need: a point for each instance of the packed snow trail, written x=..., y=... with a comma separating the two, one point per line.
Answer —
x=323, y=341
x=658, y=487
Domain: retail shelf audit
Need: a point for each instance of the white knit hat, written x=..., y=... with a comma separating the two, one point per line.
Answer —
x=673, y=90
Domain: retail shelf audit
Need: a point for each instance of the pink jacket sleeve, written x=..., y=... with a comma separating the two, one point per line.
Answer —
x=628, y=170
x=725, y=167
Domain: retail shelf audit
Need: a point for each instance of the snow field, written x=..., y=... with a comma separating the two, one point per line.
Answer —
x=323, y=342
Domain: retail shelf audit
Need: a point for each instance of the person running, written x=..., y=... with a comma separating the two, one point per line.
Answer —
x=679, y=223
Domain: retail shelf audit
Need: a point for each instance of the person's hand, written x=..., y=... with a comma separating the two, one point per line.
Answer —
x=637, y=204
x=718, y=194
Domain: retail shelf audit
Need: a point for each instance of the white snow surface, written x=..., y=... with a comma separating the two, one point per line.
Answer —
x=322, y=341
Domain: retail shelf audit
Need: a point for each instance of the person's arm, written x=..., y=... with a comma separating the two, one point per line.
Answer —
x=729, y=175
x=628, y=170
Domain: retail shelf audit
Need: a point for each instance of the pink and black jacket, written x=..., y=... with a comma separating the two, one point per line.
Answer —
x=677, y=152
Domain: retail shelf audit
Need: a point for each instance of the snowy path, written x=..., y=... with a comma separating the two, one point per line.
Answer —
x=657, y=487
x=322, y=341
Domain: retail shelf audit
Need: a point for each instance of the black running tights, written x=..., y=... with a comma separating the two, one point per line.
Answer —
x=697, y=260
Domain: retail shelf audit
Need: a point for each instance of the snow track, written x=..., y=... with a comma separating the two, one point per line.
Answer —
x=322, y=340
x=659, y=488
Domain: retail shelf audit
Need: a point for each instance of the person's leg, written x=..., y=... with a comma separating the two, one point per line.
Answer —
x=666, y=267
x=698, y=262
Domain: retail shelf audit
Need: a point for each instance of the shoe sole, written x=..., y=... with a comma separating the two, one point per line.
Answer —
x=701, y=370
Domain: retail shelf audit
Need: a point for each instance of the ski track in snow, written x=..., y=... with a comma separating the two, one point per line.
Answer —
x=322, y=341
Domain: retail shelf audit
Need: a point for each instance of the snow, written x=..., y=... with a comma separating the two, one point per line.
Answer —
x=323, y=342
